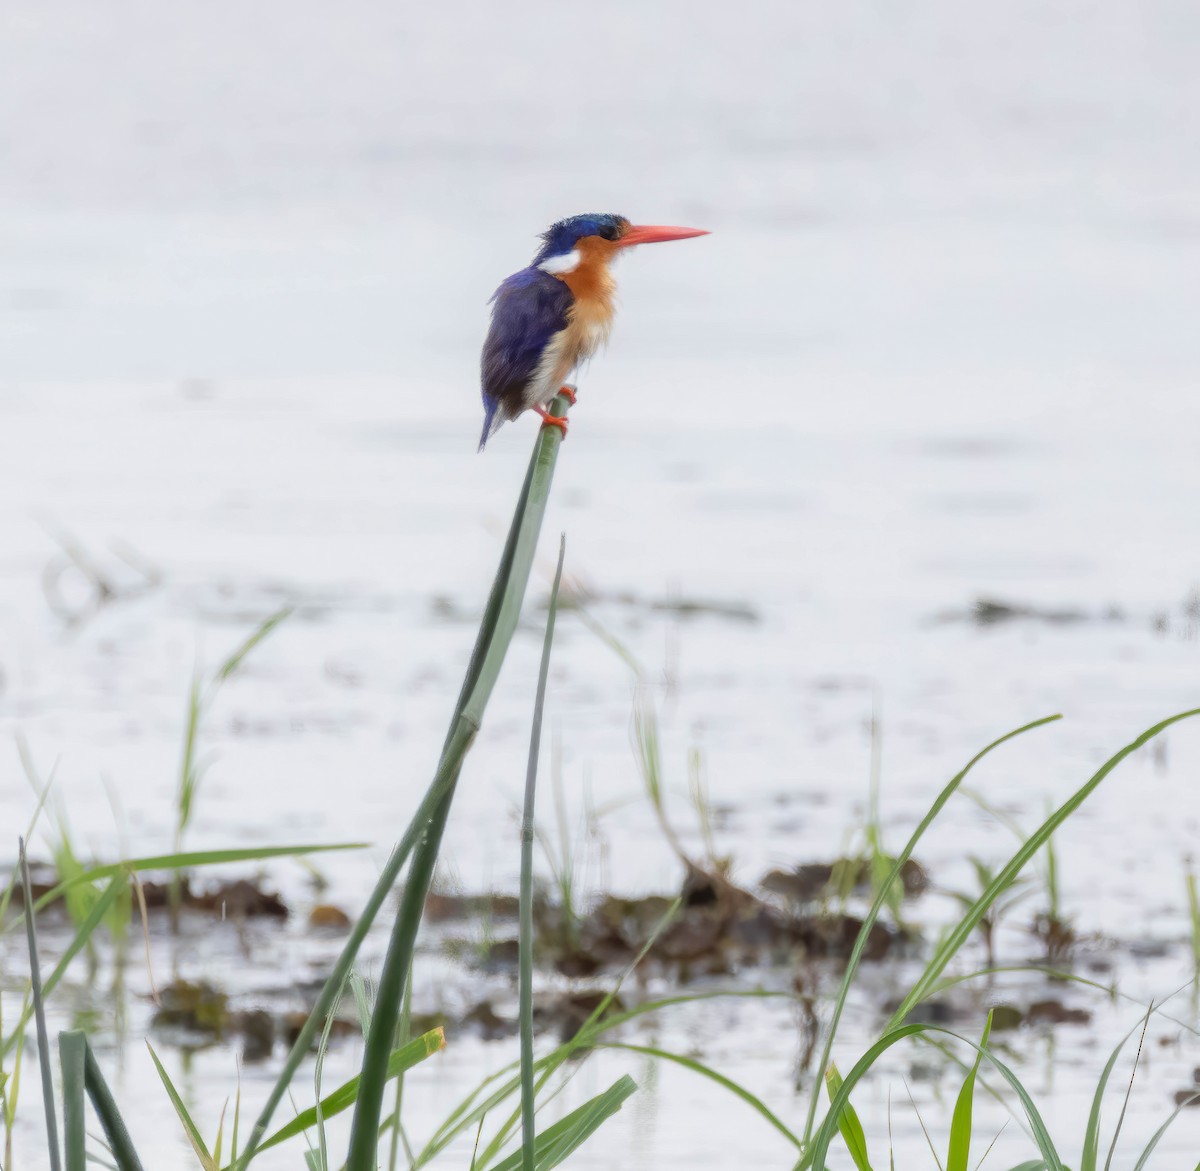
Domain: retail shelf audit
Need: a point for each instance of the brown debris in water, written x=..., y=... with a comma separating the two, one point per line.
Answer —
x=563, y=1013
x=198, y=1007
x=985, y=612
x=1005, y=1017
x=327, y=917
x=813, y=881
x=238, y=898
x=719, y=927
x=441, y=907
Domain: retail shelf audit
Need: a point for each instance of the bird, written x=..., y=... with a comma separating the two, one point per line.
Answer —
x=551, y=317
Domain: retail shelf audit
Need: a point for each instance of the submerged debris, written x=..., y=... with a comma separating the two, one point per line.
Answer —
x=1005, y=1017
x=441, y=907
x=1054, y=1012
x=257, y=1029
x=993, y=612
x=718, y=927
x=1190, y=1096
x=490, y=1025
x=240, y=899
x=291, y=1023
x=578, y=597
x=197, y=1008
x=563, y=1013
x=815, y=881
x=327, y=917
x=1057, y=936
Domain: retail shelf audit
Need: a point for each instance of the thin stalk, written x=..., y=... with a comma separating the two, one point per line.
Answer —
x=881, y=894
x=39, y=1014
x=525, y=981
x=402, y=1039
x=955, y=938
x=82, y=935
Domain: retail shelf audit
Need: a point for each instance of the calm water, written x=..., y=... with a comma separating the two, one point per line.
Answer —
x=940, y=346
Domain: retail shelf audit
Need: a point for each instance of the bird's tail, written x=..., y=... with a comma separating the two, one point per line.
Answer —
x=491, y=419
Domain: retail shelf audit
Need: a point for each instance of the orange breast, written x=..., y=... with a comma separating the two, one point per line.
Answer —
x=594, y=289
x=591, y=279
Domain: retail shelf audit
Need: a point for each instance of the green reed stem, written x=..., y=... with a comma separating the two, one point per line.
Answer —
x=39, y=1015
x=525, y=979
x=495, y=634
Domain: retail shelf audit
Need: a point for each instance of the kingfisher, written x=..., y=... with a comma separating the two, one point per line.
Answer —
x=551, y=317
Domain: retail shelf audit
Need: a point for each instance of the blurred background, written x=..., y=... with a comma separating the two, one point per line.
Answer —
x=912, y=435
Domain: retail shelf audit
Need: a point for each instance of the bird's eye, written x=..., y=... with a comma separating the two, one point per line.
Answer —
x=609, y=231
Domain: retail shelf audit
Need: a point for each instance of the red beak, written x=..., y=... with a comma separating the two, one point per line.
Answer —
x=655, y=233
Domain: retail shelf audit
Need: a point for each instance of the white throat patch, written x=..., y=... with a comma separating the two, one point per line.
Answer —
x=556, y=265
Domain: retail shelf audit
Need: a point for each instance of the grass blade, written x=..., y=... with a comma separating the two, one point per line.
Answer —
x=236, y=659
x=880, y=901
x=1112, y=1148
x=848, y=1122
x=82, y=934
x=690, y=1063
x=824, y=1134
x=516, y=565
x=182, y=861
x=959, y=1153
x=105, y=1106
x=1144, y=1158
x=559, y=1141
x=1091, y=1137
x=475, y=1106
x=39, y=1012
x=368, y=1108
x=959, y=934
x=525, y=943
x=345, y=961
x=495, y=633
x=72, y=1047
x=189, y=1127
x=346, y=1095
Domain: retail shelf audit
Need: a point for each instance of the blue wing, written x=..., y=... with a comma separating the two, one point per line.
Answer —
x=528, y=309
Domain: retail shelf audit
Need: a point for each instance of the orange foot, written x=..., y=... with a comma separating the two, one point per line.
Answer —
x=568, y=392
x=549, y=420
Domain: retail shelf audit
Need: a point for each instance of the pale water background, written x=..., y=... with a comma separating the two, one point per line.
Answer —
x=942, y=344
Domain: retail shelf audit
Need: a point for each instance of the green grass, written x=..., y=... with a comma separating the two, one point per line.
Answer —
x=502, y=1111
x=201, y=695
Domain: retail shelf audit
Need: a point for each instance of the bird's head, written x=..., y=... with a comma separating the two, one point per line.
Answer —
x=597, y=237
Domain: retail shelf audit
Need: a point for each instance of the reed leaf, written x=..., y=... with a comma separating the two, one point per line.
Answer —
x=115, y=1130
x=72, y=1050
x=559, y=1141
x=881, y=896
x=525, y=941
x=827, y=1129
x=1091, y=1137
x=38, y=1007
x=698, y=1067
x=189, y=1126
x=182, y=861
x=346, y=1095
x=495, y=634
x=959, y=1153
x=78, y=941
x=959, y=934
x=848, y=1123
